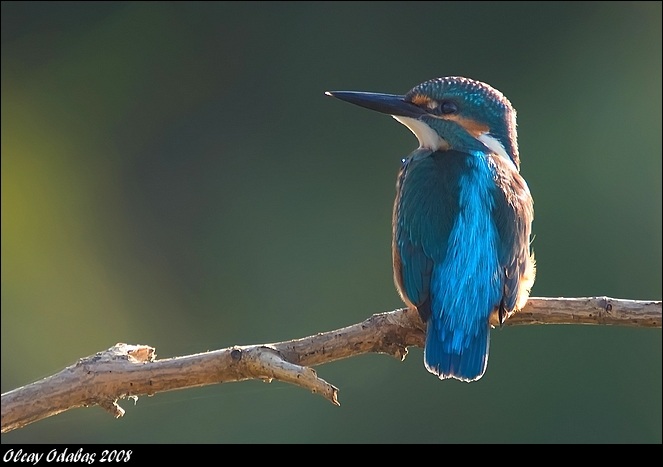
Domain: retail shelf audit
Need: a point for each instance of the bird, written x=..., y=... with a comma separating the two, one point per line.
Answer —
x=462, y=217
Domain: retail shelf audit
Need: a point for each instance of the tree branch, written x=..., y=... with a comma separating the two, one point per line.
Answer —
x=129, y=371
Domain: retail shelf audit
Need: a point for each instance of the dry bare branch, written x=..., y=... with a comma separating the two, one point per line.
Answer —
x=129, y=371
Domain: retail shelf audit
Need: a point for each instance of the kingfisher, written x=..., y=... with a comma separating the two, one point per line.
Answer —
x=462, y=217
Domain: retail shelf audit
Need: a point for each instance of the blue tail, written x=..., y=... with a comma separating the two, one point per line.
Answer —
x=444, y=356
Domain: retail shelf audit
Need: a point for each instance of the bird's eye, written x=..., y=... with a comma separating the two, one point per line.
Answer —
x=448, y=107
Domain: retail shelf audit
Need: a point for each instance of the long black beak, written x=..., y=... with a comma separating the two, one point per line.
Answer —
x=391, y=104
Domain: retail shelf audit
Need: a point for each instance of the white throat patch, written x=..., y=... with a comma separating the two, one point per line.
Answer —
x=428, y=138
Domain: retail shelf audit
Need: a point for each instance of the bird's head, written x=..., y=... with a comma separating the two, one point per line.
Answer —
x=450, y=113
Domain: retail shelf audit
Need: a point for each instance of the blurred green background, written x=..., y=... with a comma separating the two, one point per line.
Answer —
x=173, y=175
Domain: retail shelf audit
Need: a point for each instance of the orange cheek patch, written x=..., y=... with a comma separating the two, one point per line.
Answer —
x=473, y=127
x=420, y=99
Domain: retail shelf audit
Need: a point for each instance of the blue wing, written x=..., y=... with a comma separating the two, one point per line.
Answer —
x=424, y=211
x=513, y=214
x=488, y=247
